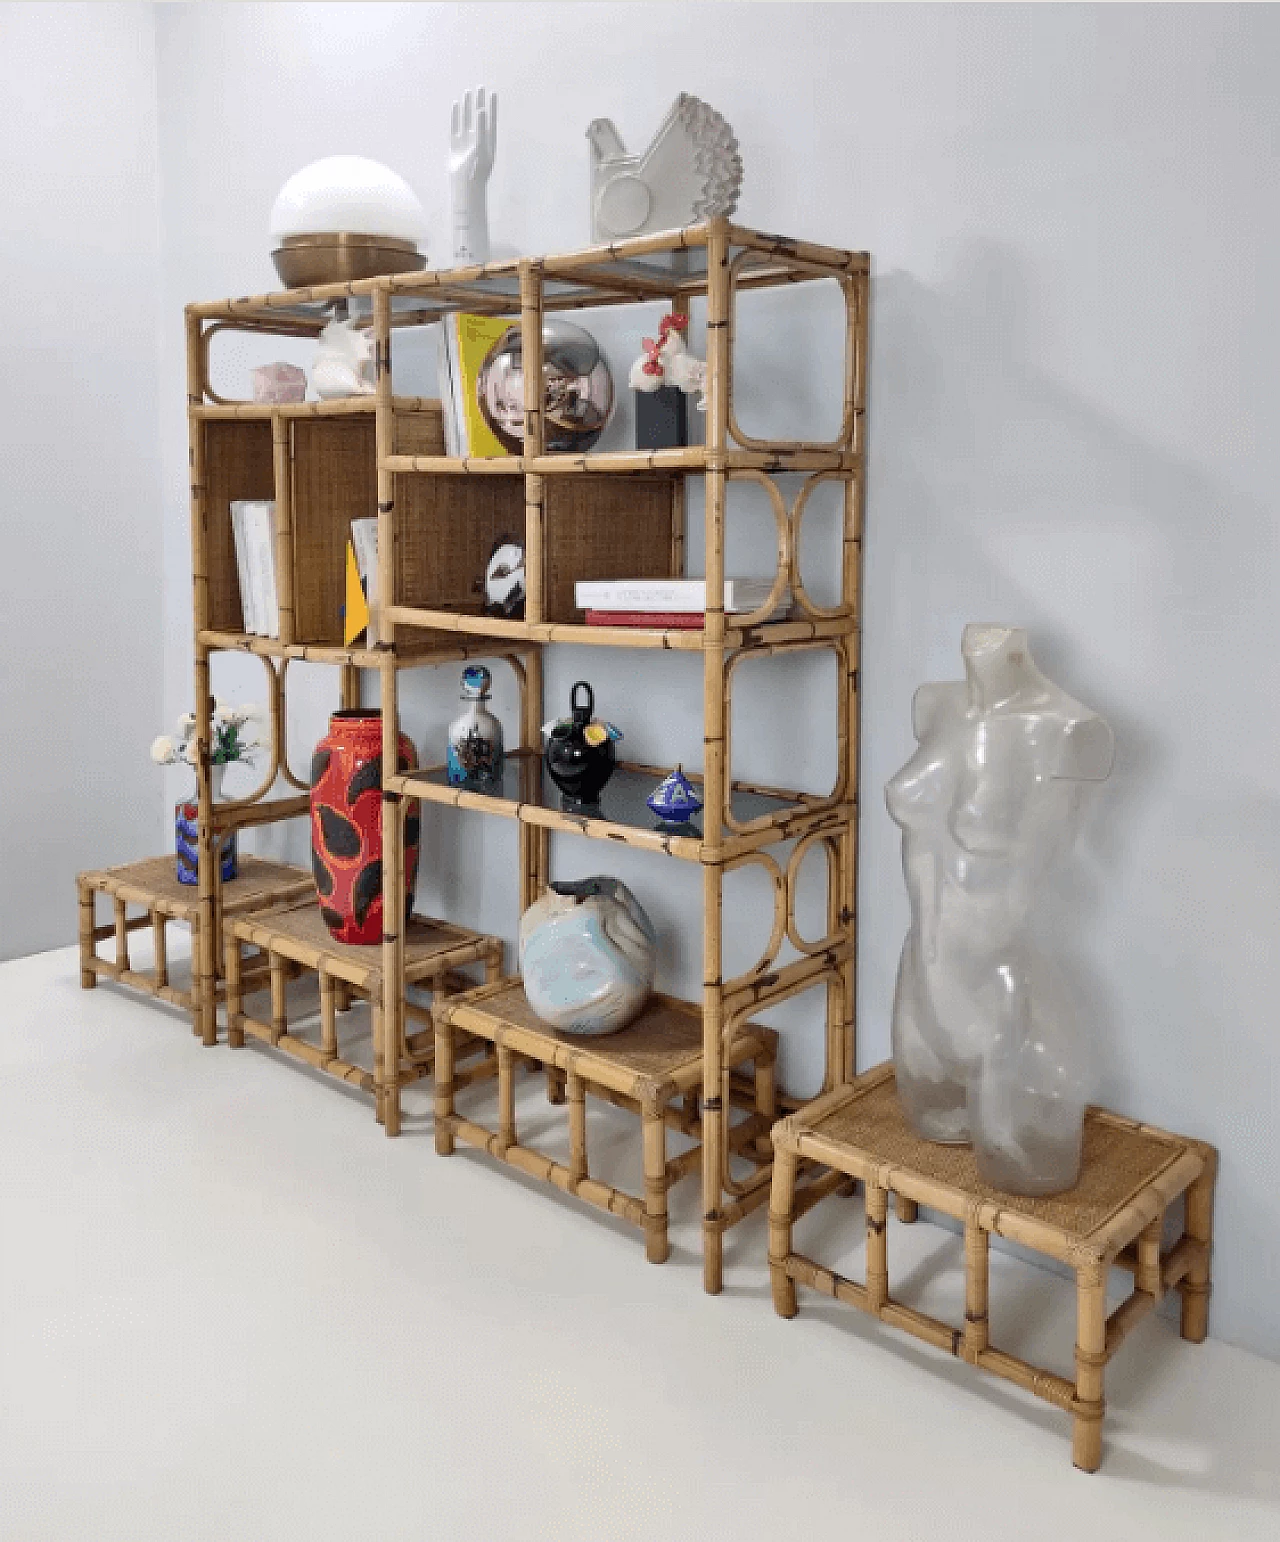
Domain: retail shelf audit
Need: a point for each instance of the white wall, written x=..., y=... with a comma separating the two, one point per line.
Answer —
x=80, y=686
x=1073, y=222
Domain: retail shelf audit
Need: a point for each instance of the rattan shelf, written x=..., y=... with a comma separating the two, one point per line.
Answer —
x=416, y=652
x=654, y=1067
x=152, y=887
x=603, y=515
x=756, y=638
x=434, y=954
x=692, y=458
x=1114, y=1216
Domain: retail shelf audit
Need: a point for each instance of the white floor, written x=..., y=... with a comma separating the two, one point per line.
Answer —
x=233, y=1310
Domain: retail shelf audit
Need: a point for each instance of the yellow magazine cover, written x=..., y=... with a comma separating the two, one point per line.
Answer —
x=474, y=336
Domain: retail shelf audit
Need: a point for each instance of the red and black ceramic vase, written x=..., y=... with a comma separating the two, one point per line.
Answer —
x=346, y=825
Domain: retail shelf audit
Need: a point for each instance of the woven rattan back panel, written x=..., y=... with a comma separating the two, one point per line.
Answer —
x=334, y=470
x=237, y=464
x=1117, y=1161
x=605, y=527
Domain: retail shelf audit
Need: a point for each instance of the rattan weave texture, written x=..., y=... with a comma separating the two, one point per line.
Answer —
x=1118, y=1162
x=666, y=1037
x=257, y=879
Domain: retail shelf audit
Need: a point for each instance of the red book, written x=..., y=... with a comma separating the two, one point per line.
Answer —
x=659, y=620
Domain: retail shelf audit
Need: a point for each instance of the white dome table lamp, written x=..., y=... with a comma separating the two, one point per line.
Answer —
x=342, y=218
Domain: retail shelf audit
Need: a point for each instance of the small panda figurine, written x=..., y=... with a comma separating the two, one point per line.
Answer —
x=504, y=580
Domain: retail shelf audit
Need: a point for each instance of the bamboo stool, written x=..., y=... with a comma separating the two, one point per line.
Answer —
x=645, y=1068
x=152, y=885
x=1114, y=1216
x=295, y=934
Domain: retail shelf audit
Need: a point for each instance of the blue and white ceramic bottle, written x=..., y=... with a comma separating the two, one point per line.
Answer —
x=475, y=753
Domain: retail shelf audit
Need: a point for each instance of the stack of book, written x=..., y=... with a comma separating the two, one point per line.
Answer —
x=464, y=344
x=666, y=602
x=253, y=525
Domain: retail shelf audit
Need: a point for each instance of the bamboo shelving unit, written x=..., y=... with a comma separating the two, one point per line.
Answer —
x=601, y=515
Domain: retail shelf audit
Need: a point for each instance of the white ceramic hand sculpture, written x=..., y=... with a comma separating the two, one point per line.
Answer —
x=985, y=1043
x=342, y=360
x=473, y=138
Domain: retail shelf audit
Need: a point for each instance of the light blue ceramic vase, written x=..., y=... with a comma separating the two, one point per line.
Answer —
x=588, y=953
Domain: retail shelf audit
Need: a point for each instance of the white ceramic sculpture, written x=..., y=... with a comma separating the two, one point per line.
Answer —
x=588, y=953
x=348, y=192
x=473, y=141
x=691, y=171
x=342, y=360
x=985, y=1043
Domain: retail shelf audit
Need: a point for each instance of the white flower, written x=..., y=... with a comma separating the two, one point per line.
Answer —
x=251, y=712
x=191, y=752
x=224, y=714
x=163, y=751
x=187, y=724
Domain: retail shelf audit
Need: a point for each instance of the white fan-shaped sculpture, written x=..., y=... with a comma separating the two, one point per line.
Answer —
x=691, y=171
x=347, y=192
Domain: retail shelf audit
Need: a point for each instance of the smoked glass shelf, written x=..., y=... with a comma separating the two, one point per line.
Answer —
x=527, y=793
x=663, y=268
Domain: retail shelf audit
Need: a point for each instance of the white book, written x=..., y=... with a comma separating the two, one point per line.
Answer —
x=670, y=594
x=445, y=385
x=461, y=438
x=247, y=608
x=364, y=540
x=260, y=522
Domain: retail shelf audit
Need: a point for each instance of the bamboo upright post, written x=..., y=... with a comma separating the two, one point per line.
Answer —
x=1091, y=1359
x=1194, y=1288
x=390, y=1016
x=203, y=963
x=88, y=977
x=534, y=436
x=715, y=781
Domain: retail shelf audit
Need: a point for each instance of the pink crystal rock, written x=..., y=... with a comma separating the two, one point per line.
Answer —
x=276, y=383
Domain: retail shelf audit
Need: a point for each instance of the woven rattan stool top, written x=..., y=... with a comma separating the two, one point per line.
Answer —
x=663, y=1044
x=1127, y=1169
x=154, y=882
x=298, y=931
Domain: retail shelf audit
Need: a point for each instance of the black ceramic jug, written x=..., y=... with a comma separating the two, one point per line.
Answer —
x=580, y=753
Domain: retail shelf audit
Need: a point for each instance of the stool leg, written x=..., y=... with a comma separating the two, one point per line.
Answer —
x=341, y=996
x=328, y=1007
x=1194, y=1288
x=555, y=1085
x=122, y=936
x=766, y=1098
x=88, y=976
x=279, y=1001
x=1091, y=1360
x=161, y=950
x=977, y=1289
x=877, y=1205
x=576, y=1095
x=781, y=1204
x=906, y=1209
x=506, y=1098
x=204, y=1010
x=657, y=1245
x=389, y=1097
x=443, y=1071
x=235, y=997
